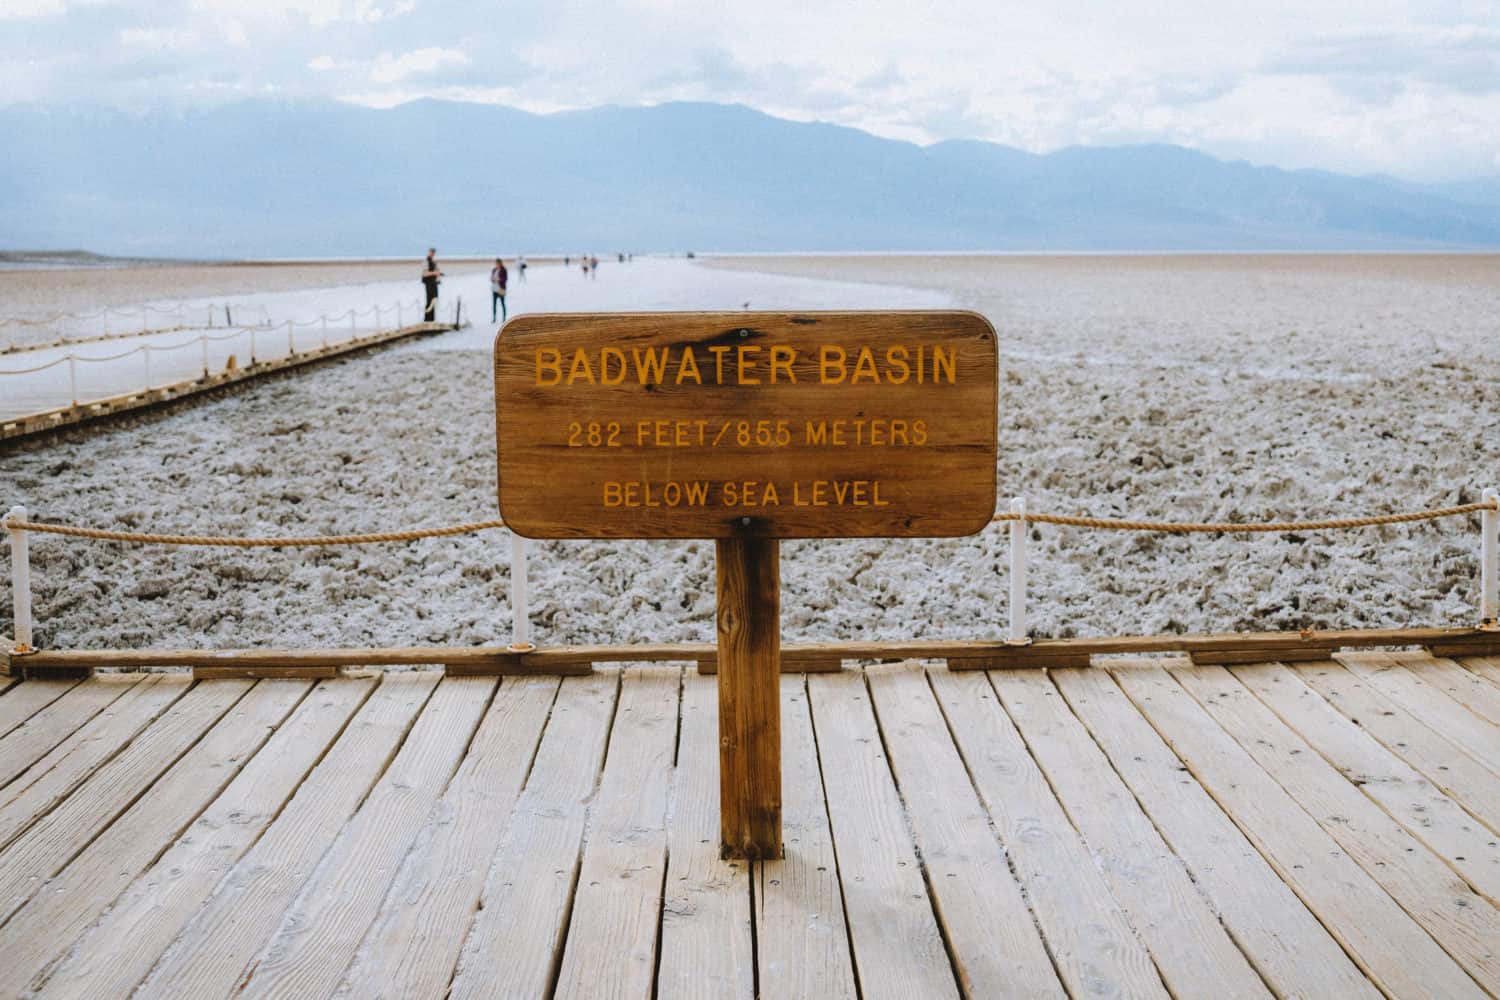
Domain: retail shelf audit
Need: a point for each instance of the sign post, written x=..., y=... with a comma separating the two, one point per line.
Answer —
x=747, y=428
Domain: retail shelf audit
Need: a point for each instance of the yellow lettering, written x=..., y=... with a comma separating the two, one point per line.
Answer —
x=650, y=367
x=895, y=360
x=746, y=363
x=605, y=357
x=817, y=433
x=688, y=367
x=718, y=351
x=781, y=360
x=864, y=367
x=548, y=362
x=581, y=368
x=831, y=363
x=943, y=361
x=614, y=495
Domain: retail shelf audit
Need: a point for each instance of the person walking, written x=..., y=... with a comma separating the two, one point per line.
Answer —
x=498, y=278
x=521, y=267
x=431, y=278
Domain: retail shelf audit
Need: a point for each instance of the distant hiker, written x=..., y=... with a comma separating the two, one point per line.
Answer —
x=593, y=267
x=585, y=266
x=521, y=266
x=498, y=277
x=567, y=262
x=431, y=278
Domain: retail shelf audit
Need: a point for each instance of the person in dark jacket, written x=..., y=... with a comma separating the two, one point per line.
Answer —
x=431, y=278
x=498, y=278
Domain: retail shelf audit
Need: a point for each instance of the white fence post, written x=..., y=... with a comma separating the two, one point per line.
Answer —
x=353, y=332
x=203, y=343
x=73, y=378
x=252, y=347
x=520, y=630
x=1018, y=635
x=291, y=340
x=20, y=577
x=146, y=349
x=399, y=321
x=1489, y=565
x=324, y=318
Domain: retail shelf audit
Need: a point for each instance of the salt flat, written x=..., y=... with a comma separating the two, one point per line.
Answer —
x=1188, y=387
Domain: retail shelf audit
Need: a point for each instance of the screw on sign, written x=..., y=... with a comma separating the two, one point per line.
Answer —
x=747, y=428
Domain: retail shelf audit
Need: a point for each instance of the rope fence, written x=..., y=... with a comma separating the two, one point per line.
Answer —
x=19, y=527
x=113, y=323
x=332, y=331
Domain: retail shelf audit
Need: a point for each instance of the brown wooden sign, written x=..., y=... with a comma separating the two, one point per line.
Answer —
x=746, y=425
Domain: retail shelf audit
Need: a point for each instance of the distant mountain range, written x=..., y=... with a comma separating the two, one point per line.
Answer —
x=264, y=179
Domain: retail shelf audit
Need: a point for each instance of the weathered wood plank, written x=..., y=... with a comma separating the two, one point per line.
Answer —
x=515, y=942
x=992, y=937
x=1091, y=941
x=1439, y=760
x=208, y=956
x=28, y=698
x=1391, y=948
x=1434, y=708
x=33, y=739
x=1282, y=939
x=706, y=941
x=612, y=938
x=40, y=932
x=322, y=928
x=52, y=778
x=1464, y=923
x=1193, y=953
x=413, y=945
x=898, y=948
x=1487, y=667
x=118, y=950
x=1432, y=817
x=1468, y=689
x=52, y=840
x=802, y=941
x=748, y=623
x=1266, y=646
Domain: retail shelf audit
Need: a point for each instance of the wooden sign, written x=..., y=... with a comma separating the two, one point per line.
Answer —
x=746, y=425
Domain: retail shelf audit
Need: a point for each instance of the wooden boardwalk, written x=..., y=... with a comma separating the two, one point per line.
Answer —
x=1141, y=827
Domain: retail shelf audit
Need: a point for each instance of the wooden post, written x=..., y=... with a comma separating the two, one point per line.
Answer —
x=749, y=629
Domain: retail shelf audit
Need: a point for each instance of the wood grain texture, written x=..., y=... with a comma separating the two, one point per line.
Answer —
x=1416, y=803
x=1464, y=924
x=120, y=948
x=706, y=941
x=1487, y=667
x=565, y=660
x=802, y=943
x=996, y=947
x=1091, y=941
x=27, y=698
x=34, y=738
x=939, y=481
x=322, y=928
x=1463, y=686
x=52, y=840
x=1392, y=949
x=1479, y=738
x=1280, y=936
x=72, y=899
x=612, y=938
x=514, y=943
x=247, y=905
x=54, y=777
x=1440, y=761
x=898, y=948
x=412, y=947
x=748, y=622
x=1193, y=952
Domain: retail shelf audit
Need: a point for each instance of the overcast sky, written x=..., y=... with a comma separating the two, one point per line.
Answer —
x=1407, y=87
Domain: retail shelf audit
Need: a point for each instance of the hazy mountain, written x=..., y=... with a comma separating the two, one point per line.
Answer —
x=265, y=179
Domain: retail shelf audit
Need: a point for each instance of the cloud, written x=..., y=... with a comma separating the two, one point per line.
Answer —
x=421, y=62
